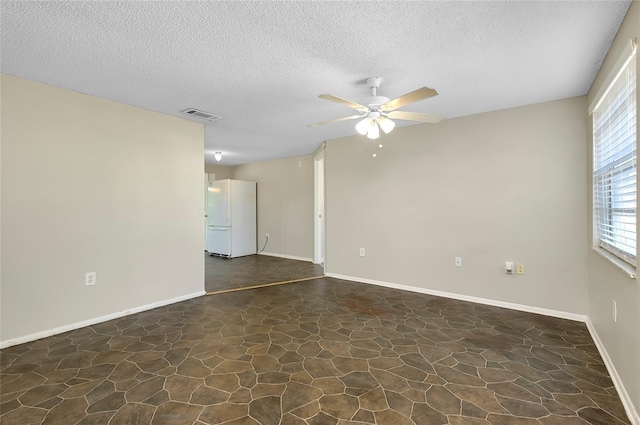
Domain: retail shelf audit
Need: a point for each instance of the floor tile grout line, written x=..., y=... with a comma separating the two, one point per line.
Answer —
x=264, y=285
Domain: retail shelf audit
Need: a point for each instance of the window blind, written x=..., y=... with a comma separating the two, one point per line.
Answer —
x=615, y=167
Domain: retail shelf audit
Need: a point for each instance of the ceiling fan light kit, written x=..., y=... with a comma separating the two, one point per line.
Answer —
x=379, y=111
x=373, y=132
x=386, y=124
x=363, y=126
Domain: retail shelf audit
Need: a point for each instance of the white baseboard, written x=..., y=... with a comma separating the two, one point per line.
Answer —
x=89, y=322
x=486, y=301
x=632, y=413
x=290, y=257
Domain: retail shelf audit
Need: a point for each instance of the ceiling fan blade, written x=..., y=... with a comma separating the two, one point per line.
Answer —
x=414, y=96
x=352, y=117
x=415, y=116
x=344, y=102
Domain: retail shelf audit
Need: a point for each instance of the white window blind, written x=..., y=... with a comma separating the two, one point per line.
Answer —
x=614, y=165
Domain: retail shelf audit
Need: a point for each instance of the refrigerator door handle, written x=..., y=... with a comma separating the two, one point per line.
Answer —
x=226, y=204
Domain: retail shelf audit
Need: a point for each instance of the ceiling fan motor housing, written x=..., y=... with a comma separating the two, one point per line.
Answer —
x=377, y=101
x=374, y=84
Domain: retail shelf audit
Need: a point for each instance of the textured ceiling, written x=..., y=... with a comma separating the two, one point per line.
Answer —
x=261, y=65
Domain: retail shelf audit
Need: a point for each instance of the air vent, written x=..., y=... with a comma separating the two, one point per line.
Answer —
x=200, y=114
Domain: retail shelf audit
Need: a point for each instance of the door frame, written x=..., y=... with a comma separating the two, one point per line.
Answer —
x=319, y=222
x=208, y=177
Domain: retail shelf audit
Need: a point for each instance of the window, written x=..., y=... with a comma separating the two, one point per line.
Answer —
x=614, y=164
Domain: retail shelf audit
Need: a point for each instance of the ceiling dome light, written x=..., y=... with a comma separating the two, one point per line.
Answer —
x=217, y=155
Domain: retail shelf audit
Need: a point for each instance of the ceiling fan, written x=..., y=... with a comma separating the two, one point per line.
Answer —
x=379, y=111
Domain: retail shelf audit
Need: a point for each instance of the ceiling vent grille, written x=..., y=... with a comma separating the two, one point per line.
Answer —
x=201, y=114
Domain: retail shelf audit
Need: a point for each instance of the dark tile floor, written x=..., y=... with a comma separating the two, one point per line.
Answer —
x=223, y=274
x=320, y=352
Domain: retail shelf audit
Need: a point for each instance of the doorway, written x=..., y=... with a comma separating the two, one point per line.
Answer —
x=319, y=216
x=251, y=271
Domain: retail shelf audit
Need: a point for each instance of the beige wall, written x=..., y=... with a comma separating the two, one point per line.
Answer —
x=90, y=185
x=606, y=282
x=285, y=203
x=222, y=172
x=494, y=187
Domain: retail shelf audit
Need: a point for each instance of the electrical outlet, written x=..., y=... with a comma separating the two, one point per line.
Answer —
x=519, y=268
x=90, y=279
x=508, y=267
x=362, y=252
x=458, y=262
x=615, y=311
x=267, y=236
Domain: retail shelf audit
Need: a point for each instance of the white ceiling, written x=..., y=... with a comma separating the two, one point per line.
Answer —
x=261, y=65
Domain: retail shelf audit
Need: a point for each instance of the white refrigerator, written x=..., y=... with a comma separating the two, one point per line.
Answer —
x=231, y=218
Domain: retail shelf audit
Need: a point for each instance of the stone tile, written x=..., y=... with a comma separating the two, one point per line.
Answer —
x=481, y=397
x=423, y=414
x=206, y=396
x=100, y=418
x=26, y=381
x=262, y=390
x=39, y=394
x=610, y=404
x=410, y=373
x=109, y=357
x=522, y=408
x=266, y=410
x=23, y=415
x=562, y=420
x=347, y=364
x=374, y=400
x=496, y=375
x=589, y=375
x=145, y=389
x=226, y=382
x=80, y=390
x=558, y=387
x=297, y=395
x=113, y=401
x=471, y=410
x=241, y=395
x=443, y=400
x=181, y=387
x=399, y=403
x=322, y=419
x=598, y=416
x=556, y=408
x=66, y=412
x=340, y=406
x=174, y=413
x=509, y=389
x=133, y=413
x=96, y=372
x=223, y=413
x=273, y=378
x=123, y=371
x=455, y=376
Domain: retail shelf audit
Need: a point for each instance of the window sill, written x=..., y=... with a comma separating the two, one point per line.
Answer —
x=627, y=268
